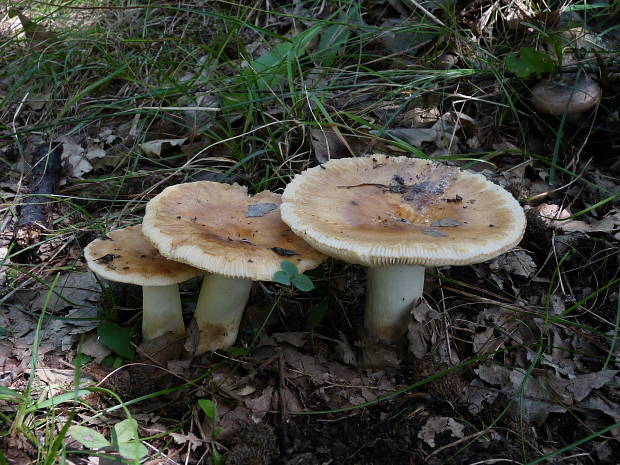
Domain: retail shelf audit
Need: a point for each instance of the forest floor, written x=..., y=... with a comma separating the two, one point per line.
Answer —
x=515, y=360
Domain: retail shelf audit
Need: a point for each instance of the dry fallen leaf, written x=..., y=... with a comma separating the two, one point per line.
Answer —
x=92, y=347
x=57, y=381
x=421, y=333
x=38, y=101
x=516, y=261
x=328, y=145
x=74, y=290
x=189, y=438
x=437, y=425
x=77, y=160
x=260, y=209
x=260, y=406
x=161, y=146
x=540, y=393
x=296, y=339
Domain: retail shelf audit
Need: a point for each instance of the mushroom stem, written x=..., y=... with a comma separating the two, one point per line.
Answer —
x=161, y=311
x=390, y=293
x=219, y=310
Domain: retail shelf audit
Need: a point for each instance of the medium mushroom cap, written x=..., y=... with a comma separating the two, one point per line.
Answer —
x=126, y=256
x=220, y=228
x=556, y=97
x=381, y=211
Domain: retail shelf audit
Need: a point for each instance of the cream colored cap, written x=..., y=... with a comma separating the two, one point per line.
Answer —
x=126, y=256
x=558, y=96
x=220, y=228
x=380, y=211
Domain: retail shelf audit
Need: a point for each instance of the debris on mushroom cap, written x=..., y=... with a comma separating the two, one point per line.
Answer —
x=220, y=228
x=379, y=211
x=557, y=96
x=124, y=255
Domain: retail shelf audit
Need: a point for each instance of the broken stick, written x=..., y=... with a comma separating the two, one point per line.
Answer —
x=44, y=175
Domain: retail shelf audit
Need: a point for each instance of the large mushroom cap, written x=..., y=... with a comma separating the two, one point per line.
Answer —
x=558, y=96
x=380, y=211
x=220, y=228
x=126, y=256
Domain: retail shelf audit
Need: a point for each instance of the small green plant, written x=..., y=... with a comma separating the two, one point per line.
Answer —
x=210, y=409
x=530, y=62
x=289, y=274
x=125, y=439
x=9, y=395
x=116, y=338
x=316, y=314
x=334, y=37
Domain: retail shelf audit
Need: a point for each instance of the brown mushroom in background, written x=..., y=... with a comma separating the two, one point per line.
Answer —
x=126, y=256
x=238, y=238
x=397, y=215
x=557, y=96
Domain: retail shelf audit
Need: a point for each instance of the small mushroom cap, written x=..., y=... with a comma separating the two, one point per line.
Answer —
x=380, y=211
x=556, y=97
x=126, y=256
x=220, y=228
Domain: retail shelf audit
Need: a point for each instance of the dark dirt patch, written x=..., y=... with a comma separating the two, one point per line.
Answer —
x=385, y=434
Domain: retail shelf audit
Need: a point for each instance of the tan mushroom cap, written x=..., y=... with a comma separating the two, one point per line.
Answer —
x=380, y=211
x=558, y=96
x=125, y=256
x=211, y=226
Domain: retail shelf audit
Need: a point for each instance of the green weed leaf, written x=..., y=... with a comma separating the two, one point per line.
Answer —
x=209, y=407
x=289, y=268
x=282, y=278
x=529, y=63
x=81, y=360
x=116, y=338
x=316, y=315
x=289, y=274
x=217, y=457
x=132, y=450
x=126, y=441
x=9, y=394
x=334, y=37
x=303, y=283
x=238, y=351
x=271, y=59
x=271, y=68
x=59, y=399
x=88, y=437
x=124, y=431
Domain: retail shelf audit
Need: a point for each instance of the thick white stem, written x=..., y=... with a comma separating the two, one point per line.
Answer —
x=219, y=310
x=161, y=311
x=390, y=293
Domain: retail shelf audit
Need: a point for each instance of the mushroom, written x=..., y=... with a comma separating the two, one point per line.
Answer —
x=238, y=238
x=557, y=96
x=125, y=256
x=396, y=216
